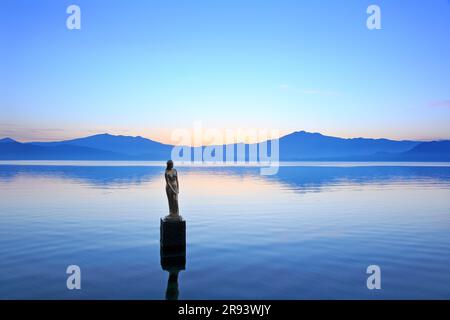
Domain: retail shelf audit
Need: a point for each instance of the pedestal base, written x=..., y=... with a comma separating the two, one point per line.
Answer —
x=173, y=234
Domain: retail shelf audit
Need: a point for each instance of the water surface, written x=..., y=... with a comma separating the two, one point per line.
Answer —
x=308, y=232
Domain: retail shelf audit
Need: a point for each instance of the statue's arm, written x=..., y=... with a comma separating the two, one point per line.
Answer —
x=169, y=184
x=165, y=177
x=178, y=184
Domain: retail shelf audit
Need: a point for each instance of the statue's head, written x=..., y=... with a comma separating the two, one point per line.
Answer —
x=169, y=164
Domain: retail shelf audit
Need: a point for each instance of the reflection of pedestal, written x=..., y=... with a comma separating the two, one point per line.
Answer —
x=173, y=253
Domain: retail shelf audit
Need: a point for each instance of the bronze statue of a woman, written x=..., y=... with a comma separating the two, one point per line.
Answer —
x=172, y=190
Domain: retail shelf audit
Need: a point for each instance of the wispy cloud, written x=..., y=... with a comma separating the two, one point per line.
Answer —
x=440, y=103
x=23, y=133
x=27, y=133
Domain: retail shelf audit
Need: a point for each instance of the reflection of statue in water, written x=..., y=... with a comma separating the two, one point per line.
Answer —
x=172, y=190
x=173, y=260
x=172, y=286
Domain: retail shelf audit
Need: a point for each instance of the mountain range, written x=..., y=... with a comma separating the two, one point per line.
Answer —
x=297, y=146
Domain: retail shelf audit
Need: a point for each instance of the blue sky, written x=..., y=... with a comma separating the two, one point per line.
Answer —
x=149, y=67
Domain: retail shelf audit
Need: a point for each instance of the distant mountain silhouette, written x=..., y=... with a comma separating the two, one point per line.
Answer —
x=297, y=146
x=7, y=140
x=315, y=146
x=13, y=150
x=426, y=151
x=132, y=146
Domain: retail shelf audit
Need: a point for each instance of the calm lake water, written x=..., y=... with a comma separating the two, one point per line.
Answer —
x=308, y=232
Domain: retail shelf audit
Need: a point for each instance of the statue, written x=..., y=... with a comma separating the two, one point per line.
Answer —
x=172, y=190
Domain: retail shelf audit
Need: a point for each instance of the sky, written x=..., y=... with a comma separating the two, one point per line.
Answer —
x=150, y=67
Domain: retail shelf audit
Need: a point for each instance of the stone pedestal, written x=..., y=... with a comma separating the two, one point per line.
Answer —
x=173, y=234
